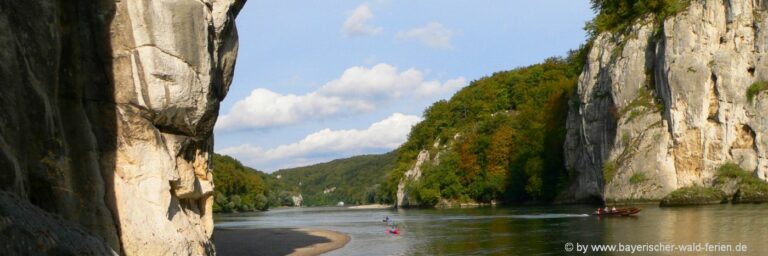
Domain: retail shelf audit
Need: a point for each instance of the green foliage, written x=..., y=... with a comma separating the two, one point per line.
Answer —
x=644, y=103
x=755, y=89
x=731, y=170
x=637, y=178
x=625, y=139
x=609, y=170
x=238, y=188
x=502, y=136
x=695, y=191
x=352, y=180
x=693, y=195
x=443, y=177
x=619, y=15
x=428, y=196
x=750, y=188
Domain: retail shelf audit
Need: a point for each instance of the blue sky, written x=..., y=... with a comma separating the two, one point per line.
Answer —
x=320, y=80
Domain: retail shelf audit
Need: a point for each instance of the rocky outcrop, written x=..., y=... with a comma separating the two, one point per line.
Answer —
x=663, y=106
x=297, y=200
x=106, y=115
x=413, y=174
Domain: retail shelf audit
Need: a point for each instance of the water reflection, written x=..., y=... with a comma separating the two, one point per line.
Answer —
x=521, y=230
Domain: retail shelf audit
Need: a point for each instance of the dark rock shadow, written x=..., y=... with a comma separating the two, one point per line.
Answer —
x=266, y=241
x=58, y=133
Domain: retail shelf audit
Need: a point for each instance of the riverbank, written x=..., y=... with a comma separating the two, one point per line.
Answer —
x=371, y=206
x=277, y=241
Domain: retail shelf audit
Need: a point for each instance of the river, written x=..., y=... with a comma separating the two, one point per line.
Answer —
x=529, y=230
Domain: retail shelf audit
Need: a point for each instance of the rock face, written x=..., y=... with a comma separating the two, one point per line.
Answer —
x=29, y=230
x=662, y=107
x=297, y=200
x=413, y=174
x=106, y=115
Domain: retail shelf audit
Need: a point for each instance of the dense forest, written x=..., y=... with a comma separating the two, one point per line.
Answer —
x=239, y=188
x=353, y=180
x=502, y=138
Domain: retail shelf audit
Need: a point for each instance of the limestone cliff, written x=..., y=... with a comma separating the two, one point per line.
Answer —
x=413, y=174
x=106, y=117
x=664, y=105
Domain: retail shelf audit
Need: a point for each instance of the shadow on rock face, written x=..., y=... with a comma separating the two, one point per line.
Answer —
x=57, y=126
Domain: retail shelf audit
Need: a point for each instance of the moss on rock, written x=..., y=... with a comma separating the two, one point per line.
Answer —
x=748, y=189
x=694, y=195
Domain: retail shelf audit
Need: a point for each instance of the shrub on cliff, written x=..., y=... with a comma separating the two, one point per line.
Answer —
x=748, y=188
x=694, y=195
x=609, y=170
x=755, y=89
x=619, y=15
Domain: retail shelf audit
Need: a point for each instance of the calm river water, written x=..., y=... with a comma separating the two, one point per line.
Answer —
x=546, y=230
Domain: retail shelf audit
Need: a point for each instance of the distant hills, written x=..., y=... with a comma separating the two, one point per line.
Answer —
x=353, y=180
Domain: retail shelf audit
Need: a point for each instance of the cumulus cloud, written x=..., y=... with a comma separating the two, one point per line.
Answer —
x=433, y=35
x=385, y=81
x=264, y=108
x=357, y=22
x=327, y=144
x=358, y=89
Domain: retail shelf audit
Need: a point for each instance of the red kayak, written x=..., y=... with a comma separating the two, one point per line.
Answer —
x=393, y=231
x=619, y=212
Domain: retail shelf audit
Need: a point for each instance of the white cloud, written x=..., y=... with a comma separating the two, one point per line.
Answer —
x=356, y=23
x=358, y=89
x=433, y=35
x=384, y=81
x=265, y=108
x=327, y=144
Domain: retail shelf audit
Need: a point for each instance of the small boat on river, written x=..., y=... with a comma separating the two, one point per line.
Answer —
x=618, y=212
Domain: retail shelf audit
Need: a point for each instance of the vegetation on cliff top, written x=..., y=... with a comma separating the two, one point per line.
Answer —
x=620, y=15
x=502, y=137
x=353, y=180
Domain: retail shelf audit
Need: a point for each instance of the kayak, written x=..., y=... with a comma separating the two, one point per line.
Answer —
x=619, y=212
x=395, y=231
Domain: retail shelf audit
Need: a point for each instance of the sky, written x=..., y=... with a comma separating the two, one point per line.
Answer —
x=321, y=80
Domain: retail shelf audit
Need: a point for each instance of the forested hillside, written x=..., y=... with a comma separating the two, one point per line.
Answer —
x=238, y=188
x=353, y=180
x=498, y=139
